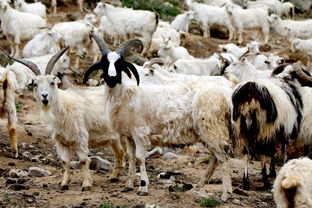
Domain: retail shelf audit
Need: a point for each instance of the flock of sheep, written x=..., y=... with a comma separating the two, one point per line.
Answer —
x=241, y=99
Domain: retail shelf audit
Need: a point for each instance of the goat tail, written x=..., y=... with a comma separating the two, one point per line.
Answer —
x=288, y=186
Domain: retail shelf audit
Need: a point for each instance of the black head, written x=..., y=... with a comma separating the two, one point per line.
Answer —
x=113, y=63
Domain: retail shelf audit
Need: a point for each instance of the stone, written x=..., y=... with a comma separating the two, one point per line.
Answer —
x=155, y=152
x=98, y=163
x=170, y=156
x=16, y=173
x=38, y=172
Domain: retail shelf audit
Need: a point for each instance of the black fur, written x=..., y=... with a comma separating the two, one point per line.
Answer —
x=121, y=66
x=143, y=183
x=252, y=91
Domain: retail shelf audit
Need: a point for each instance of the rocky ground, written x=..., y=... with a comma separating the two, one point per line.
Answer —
x=21, y=186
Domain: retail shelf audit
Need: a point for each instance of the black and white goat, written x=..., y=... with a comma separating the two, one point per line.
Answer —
x=268, y=112
x=160, y=115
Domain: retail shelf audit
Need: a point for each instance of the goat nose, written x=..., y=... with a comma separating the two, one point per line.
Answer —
x=44, y=94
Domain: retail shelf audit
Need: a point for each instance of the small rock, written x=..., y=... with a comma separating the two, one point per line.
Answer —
x=170, y=156
x=36, y=193
x=98, y=163
x=30, y=200
x=45, y=186
x=26, y=154
x=35, y=158
x=16, y=173
x=240, y=192
x=18, y=187
x=236, y=201
x=38, y=172
x=11, y=164
x=74, y=165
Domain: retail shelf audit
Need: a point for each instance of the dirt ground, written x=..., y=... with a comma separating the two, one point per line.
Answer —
x=35, y=149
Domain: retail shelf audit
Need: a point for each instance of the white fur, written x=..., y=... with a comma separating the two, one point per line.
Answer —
x=33, y=8
x=112, y=57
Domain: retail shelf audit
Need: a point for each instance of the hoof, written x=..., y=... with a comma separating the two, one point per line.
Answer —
x=87, y=188
x=127, y=189
x=113, y=180
x=142, y=193
x=65, y=187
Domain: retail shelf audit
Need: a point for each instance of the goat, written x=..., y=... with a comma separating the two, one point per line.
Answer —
x=18, y=25
x=268, y=112
x=140, y=112
x=73, y=121
x=54, y=5
x=292, y=186
x=8, y=86
x=33, y=8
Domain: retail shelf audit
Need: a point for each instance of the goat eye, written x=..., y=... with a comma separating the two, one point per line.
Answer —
x=52, y=83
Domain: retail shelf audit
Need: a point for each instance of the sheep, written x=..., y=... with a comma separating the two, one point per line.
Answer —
x=23, y=74
x=127, y=21
x=74, y=123
x=8, y=85
x=76, y=35
x=33, y=8
x=291, y=28
x=163, y=114
x=18, y=26
x=43, y=43
x=54, y=5
x=268, y=112
x=292, y=187
x=302, y=45
x=208, y=16
x=248, y=18
x=182, y=21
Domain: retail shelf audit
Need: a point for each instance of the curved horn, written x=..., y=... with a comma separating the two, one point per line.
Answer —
x=134, y=71
x=279, y=69
x=53, y=60
x=244, y=54
x=92, y=68
x=149, y=63
x=125, y=46
x=33, y=67
x=101, y=43
x=299, y=71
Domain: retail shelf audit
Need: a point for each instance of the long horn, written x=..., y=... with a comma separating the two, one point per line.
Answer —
x=244, y=54
x=149, y=63
x=299, y=71
x=125, y=46
x=134, y=71
x=101, y=43
x=279, y=69
x=93, y=68
x=32, y=66
x=53, y=60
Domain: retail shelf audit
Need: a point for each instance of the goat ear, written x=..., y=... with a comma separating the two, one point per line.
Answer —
x=56, y=80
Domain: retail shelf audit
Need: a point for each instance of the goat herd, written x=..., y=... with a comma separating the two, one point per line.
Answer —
x=240, y=100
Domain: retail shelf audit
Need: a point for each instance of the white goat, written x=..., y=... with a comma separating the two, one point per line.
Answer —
x=74, y=122
x=43, y=43
x=108, y=30
x=173, y=53
x=140, y=113
x=248, y=18
x=33, y=8
x=127, y=21
x=76, y=35
x=164, y=33
x=18, y=26
x=292, y=28
x=304, y=46
x=213, y=65
x=7, y=93
x=292, y=187
x=233, y=49
x=182, y=21
x=208, y=16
